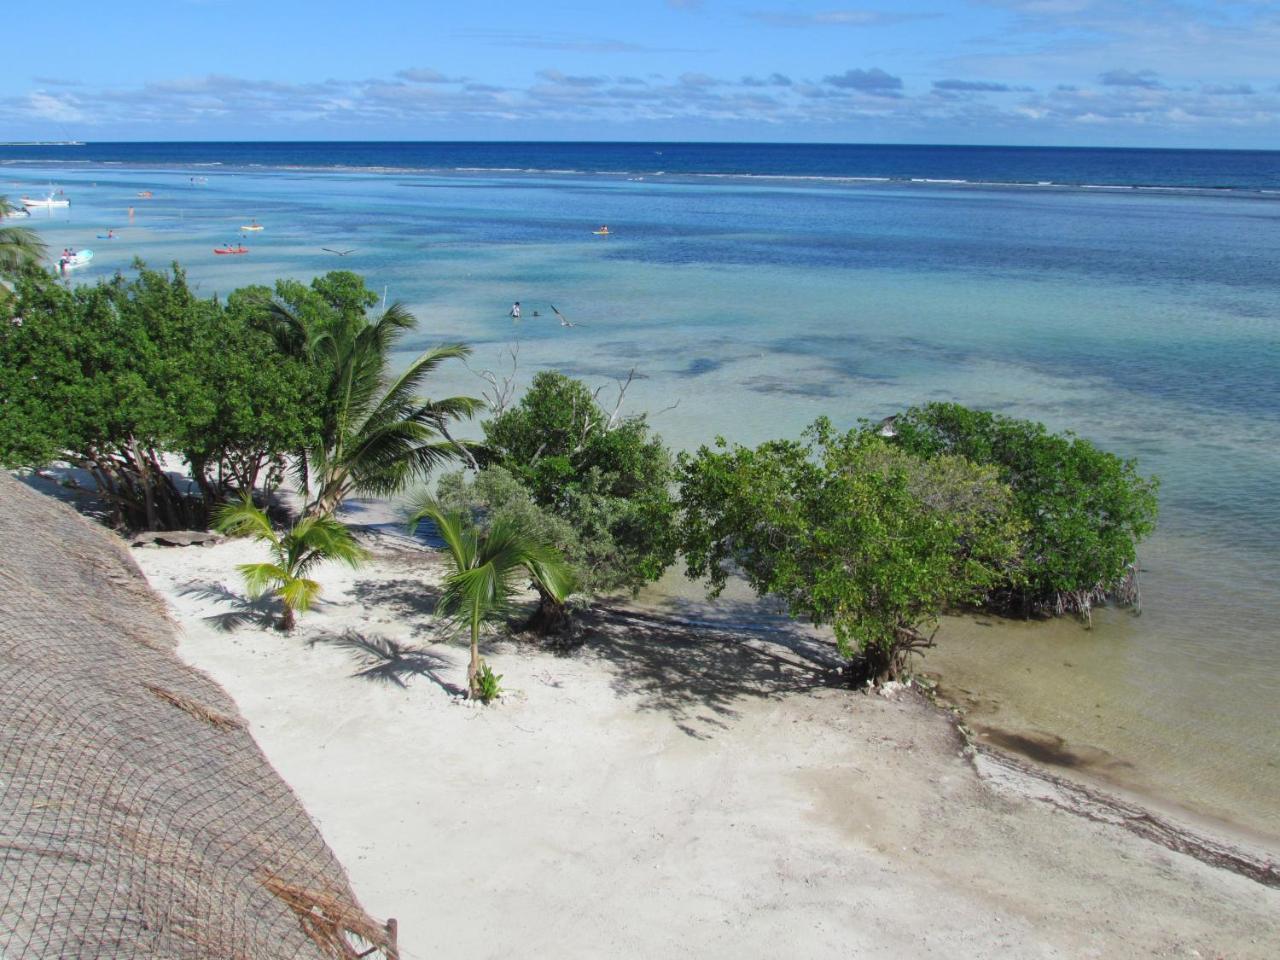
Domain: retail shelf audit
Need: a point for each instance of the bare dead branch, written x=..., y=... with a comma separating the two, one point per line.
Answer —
x=502, y=385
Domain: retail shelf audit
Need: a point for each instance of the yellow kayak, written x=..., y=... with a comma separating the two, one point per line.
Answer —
x=602, y=233
x=251, y=226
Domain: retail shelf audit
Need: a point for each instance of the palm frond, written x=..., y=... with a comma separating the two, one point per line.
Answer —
x=320, y=538
x=390, y=325
x=298, y=593
x=288, y=329
x=261, y=577
x=550, y=571
x=450, y=408
x=20, y=247
x=242, y=518
x=455, y=528
x=483, y=592
x=403, y=387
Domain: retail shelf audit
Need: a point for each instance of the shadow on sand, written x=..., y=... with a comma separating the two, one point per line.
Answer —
x=382, y=659
x=401, y=598
x=262, y=612
x=698, y=672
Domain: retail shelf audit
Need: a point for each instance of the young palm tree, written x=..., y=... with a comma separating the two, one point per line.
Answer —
x=487, y=571
x=310, y=541
x=19, y=247
x=377, y=434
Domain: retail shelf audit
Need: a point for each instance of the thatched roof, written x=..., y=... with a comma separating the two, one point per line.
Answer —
x=137, y=816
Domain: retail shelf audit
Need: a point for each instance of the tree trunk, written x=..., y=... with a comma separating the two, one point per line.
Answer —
x=551, y=618
x=148, y=496
x=473, y=669
x=287, y=619
x=199, y=470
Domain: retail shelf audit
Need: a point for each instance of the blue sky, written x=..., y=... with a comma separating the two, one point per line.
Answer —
x=1109, y=72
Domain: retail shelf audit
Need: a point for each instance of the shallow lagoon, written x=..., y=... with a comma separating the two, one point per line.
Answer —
x=1149, y=323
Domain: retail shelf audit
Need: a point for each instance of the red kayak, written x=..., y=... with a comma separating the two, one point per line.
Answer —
x=224, y=251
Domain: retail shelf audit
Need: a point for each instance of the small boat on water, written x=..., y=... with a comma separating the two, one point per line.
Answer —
x=252, y=225
x=145, y=194
x=50, y=201
x=71, y=259
x=229, y=250
x=602, y=232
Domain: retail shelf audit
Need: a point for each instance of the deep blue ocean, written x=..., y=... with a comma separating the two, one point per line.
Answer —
x=1240, y=170
x=1130, y=295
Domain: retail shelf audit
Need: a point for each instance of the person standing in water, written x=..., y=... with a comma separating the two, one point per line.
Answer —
x=515, y=310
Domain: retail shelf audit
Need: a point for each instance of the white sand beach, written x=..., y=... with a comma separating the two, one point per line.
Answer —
x=666, y=792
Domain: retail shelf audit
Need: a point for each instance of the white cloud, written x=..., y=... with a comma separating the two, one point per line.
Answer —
x=834, y=18
x=830, y=107
x=45, y=106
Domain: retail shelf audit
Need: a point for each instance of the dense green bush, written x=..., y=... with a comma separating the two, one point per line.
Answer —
x=1085, y=510
x=113, y=376
x=600, y=473
x=851, y=533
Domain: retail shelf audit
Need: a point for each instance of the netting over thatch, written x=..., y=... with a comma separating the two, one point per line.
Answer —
x=137, y=816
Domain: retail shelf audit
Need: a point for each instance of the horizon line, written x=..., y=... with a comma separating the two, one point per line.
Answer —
x=740, y=143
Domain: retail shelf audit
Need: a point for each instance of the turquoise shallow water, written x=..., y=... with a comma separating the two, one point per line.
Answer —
x=1149, y=323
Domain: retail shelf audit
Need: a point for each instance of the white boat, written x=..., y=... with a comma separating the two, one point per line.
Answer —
x=76, y=258
x=49, y=201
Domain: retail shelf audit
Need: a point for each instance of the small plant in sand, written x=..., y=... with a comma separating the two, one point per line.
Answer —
x=488, y=567
x=294, y=553
x=488, y=683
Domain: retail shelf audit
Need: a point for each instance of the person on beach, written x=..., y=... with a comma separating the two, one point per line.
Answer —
x=515, y=310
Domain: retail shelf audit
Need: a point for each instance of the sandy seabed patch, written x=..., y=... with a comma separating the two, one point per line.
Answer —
x=665, y=792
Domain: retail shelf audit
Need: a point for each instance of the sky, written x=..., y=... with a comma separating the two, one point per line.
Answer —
x=1186, y=73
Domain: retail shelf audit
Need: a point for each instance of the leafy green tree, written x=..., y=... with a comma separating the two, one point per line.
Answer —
x=1085, y=510
x=850, y=533
x=601, y=473
x=114, y=376
x=294, y=553
x=488, y=568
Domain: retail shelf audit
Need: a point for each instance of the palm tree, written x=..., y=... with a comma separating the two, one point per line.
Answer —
x=19, y=246
x=309, y=542
x=376, y=433
x=487, y=570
